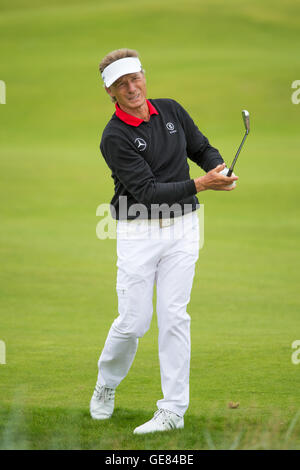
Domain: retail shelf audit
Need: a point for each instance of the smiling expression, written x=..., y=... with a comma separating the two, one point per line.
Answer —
x=129, y=91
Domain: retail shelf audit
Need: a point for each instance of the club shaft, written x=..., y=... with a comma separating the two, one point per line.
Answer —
x=237, y=154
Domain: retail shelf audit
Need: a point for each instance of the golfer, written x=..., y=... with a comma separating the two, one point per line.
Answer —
x=147, y=144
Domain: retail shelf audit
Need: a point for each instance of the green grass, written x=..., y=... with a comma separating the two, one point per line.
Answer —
x=72, y=428
x=57, y=289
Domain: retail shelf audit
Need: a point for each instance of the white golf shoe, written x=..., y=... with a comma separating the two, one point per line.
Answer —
x=163, y=420
x=102, y=402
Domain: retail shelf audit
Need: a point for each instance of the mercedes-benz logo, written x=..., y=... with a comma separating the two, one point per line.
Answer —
x=140, y=144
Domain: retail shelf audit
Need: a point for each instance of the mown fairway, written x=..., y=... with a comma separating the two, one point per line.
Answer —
x=57, y=286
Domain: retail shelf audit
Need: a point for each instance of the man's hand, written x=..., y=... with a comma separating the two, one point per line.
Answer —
x=214, y=180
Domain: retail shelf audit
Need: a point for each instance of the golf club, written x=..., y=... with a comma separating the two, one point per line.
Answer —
x=246, y=119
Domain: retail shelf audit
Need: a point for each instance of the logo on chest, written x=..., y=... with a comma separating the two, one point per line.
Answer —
x=140, y=144
x=171, y=128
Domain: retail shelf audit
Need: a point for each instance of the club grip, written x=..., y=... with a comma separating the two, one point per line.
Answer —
x=229, y=173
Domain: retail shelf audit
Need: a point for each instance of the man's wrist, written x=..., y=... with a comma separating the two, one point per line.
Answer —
x=200, y=184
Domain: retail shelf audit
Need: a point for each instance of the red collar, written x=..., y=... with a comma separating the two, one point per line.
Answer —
x=132, y=120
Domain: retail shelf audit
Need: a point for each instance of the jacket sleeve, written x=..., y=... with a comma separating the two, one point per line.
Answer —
x=198, y=147
x=135, y=174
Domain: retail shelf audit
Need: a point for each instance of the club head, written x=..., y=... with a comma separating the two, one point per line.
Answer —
x=246, y=119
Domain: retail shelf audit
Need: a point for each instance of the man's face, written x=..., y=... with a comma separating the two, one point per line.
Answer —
x=129, y=90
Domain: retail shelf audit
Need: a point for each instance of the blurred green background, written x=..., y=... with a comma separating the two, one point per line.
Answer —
x=57, y=288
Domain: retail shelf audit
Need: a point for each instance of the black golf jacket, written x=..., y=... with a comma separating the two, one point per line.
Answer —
x=149, y=161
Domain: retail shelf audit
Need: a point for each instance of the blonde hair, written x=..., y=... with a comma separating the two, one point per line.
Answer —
x=116, y=55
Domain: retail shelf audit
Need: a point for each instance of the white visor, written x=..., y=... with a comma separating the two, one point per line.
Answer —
x=120, y=67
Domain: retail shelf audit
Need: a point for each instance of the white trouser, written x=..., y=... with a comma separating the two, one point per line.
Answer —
x=149, y=253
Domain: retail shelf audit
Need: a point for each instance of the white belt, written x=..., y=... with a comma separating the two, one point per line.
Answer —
x=165, y=222
x=161, y=222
